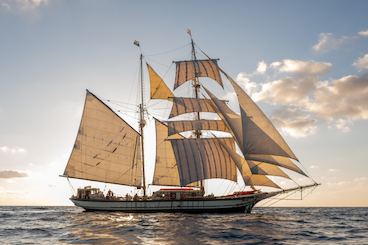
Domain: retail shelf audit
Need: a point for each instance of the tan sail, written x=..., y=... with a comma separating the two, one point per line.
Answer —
x=203, y=158
x=259, y=133
x=158, y=88
x=266, y=169
x=276, y=160
x=190, y=69
x=245, y=171
x=107, y=149
x=189, y=125
x=183, y=105
x=166, y=169
x=230, y=118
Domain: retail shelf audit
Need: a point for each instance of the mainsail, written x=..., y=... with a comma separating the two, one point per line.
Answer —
x=203, y=158
x=106, y=149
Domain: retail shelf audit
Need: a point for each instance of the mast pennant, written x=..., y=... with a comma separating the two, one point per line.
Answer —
x=107, y=149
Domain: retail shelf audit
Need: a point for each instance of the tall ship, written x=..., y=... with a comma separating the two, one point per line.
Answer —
x=202, y=139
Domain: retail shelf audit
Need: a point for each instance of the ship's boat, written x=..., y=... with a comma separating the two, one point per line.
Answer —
x=242, y=147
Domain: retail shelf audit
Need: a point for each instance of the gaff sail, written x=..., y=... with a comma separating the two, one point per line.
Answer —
x=107, y=149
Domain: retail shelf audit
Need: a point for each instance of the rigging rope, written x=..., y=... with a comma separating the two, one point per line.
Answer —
x=168, y=51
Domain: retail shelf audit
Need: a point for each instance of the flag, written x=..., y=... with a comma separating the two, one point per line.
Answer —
x=136, y=43
x=189, y=31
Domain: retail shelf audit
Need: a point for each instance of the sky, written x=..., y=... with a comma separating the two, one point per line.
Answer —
x=304, y=62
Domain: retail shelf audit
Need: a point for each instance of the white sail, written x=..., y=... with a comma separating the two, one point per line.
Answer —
x=183, y=105
x=106, y=149
x=203, y=158
x=189, y=125
x=190, y=69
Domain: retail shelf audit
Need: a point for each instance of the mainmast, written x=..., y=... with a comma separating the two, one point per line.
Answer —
x=142, y=121
x=196, y=87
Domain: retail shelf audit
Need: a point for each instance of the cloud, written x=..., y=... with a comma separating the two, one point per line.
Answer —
x=338, y=102
x=8, y=174
x=22, y=4
x=343, y=98
x=294, y=123
x=244, y=81
x=362, y=62
x=262, y=67
x=363, y=33
x=328, y=41
x=12, y=150
x=301, y=67
x=287, y=91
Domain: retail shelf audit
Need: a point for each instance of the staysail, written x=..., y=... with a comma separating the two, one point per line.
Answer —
x=107, y=149
x=189, y=69
x=158, y=88
x=260, y=136
x=166, y=169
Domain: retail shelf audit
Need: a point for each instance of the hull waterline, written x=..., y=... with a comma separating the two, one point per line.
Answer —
x=242, y=204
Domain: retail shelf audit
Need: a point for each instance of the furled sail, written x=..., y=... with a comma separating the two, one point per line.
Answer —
x=158, y=87
x=260, y=136
x=183, y=105
x=203, y=158
x=106, y=149
x=188, y=125
x=190, y=69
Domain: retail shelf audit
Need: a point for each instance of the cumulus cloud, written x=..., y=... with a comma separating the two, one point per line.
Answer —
x=12, y=150
x=363, y=33
x=22, y=4
x=328, y=41
x=362, y=62
x=288, y=91
x=245, y=82
x=294, y=122
x=342, y=98
x=339, y=102
x=262, y=67
x=9, y=174
x=302, y=67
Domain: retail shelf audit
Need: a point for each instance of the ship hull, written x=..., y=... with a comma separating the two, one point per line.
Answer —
x=243, y=204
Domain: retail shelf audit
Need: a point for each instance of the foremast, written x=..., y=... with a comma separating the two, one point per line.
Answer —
x=142, y=120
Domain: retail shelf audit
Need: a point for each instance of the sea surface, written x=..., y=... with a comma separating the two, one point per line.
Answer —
x=71, y=225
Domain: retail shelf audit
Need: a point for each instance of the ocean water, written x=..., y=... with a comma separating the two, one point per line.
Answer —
x=71, y=225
